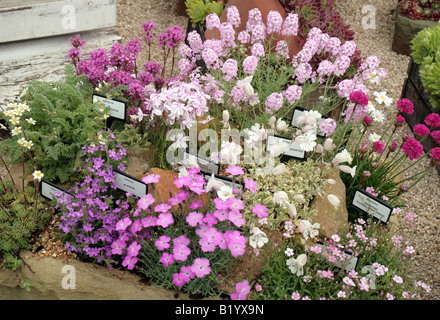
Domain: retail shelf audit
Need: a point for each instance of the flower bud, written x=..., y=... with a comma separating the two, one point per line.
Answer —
x=225, y=116
x=319, y=148
x=363, y=148
x=271, y=122
x=367, y=121
x=374, y=165
x=366, y=174
x=328, y=145
x=404, y=187
x=392, y=147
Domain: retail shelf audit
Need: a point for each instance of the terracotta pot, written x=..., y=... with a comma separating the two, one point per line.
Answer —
x=265, y=6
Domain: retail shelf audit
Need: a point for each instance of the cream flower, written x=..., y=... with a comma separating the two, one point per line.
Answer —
x=38, y=175
x=281, y=198
x=225, y=193
x=381, y=97
x=343, y=156
x=374, y=137
x=308, y=230
x=378, y=116
x=30, y=121
x=15, y=131
x=258, y=238
x=296, y=265
x=334, y=200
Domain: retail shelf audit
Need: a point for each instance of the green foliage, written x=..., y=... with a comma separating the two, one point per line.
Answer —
x=20, y=216
x=381, y=258
x=66, y=120
x=301, y=181
x=426, y=53
x=11, y=262
x=197, y=10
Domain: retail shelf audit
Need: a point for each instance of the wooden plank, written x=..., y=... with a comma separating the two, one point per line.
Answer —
x=30, y=19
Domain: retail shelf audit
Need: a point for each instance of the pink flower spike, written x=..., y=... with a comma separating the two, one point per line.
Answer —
x=151, y=178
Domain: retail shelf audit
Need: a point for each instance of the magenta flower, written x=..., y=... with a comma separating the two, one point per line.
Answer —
x=251, y=185
x=194, y=218
x=145, y=201
x=436, y=136
x=129, y=262
x=260, y=210
x=433, y=120
x=179, y=279
x=165, y=219
x=201, y=267
x=421, y=130
x=207, y=244
x=118, y=246
x=435, y=154
x=151, y=178
x=405, y=105
x=195, y=205
x=163, y=207
x=186, y=270
x=123, y=224
x=133, y=249
x=235, y=204
x=136, y=226
x=181, y=241
x=162, y=243
x=149, y=221
x=221, y=215
x=236, y=218
x=359, y=97
x=166, y=259
x=412, y=148
x=378, y=146
x=181, y=252
x=234, y=170
x=210, y=219
x=237, y=248
x=400, y=119
x=242, y=289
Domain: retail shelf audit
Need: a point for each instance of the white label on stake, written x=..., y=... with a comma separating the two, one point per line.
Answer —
x=372, y=206
x=131, y=185
x=117, y=108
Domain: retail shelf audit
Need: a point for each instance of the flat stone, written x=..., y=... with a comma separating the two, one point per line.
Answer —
x=332, y=220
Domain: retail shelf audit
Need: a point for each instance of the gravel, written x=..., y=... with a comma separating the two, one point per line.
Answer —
x=424, y=198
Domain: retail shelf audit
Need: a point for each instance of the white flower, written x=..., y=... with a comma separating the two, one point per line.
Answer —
x=373, y=77
x=230, y=153
x=225, y=193
x=280, y=198
x=22, y=142
x=343, y=156
x=38, y=175
x=15, y=120
x=374, y=137
x=334, y=200
x=281, y=125
x=378, y=116
x=214, y=183
x=30, y=121
x=28, y=144
x=15, y=131
x=371, y=107
x=258, y=238
x=308, y=230
x=225, y=118
x=279, y=169
x=289, y=252
x=312, y=117
x=347, y=169
x=307, y=141
x=279, y=148
x=381, y=97
x=179, y=141
x=296, y=265
x=292, y=210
